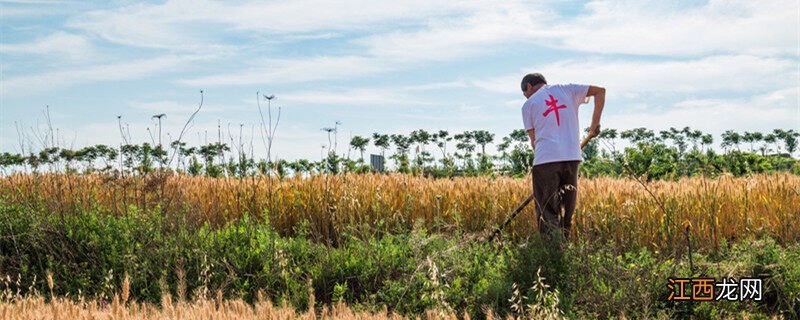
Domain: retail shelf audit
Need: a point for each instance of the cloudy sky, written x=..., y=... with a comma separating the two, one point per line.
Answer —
x=386, y=66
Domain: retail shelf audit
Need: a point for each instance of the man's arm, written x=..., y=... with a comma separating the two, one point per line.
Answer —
x=599, y=94
x=532, y=136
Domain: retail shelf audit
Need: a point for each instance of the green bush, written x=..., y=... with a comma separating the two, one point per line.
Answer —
x=408, y=271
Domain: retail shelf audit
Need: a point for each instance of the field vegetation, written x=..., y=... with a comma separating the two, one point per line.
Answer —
x=409, y=244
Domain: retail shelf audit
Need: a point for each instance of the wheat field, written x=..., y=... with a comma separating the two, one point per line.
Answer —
x=655, y=214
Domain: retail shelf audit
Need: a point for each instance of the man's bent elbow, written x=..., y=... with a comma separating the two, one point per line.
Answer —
x=596, y=91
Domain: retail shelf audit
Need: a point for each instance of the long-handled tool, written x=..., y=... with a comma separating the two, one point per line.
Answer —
x=525, y=203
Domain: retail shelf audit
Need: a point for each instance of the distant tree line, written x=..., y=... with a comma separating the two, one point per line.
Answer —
x=665, y=154
x=676, y=153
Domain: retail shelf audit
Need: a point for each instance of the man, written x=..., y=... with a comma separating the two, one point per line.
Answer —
x=550, y=116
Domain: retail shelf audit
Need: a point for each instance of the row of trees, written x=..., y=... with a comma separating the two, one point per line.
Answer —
x=675, y=153
x=668, y=153
x=465, y=144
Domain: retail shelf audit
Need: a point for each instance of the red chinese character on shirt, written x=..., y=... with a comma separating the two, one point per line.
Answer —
x=553, y=104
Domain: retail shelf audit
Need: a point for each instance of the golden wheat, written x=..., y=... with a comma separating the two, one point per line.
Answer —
x=623, y=210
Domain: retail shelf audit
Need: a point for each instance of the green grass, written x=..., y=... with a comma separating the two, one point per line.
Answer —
x=407, y=270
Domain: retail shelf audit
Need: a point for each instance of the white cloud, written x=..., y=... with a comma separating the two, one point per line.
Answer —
x=445, y=39
x=642, y=28
x=437, y=40
x=59, y=44
x=22, y=9
x=433, y=28
x=183, y=24
x=662, y=28
x=294, y=70
x=313, y=16
x=420, y=32
x=24, y=85
x=36, y=1
x=144, y=25
x=736, y=73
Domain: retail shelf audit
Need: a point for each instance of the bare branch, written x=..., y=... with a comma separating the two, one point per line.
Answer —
x=191, y=118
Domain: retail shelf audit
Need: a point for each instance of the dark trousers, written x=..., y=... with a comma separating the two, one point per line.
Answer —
x=555, y=188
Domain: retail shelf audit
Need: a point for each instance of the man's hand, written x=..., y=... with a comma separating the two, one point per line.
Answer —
x=532, y=136
x=594, y=130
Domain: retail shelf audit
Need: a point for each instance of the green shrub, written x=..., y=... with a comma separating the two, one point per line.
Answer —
x=409, y=271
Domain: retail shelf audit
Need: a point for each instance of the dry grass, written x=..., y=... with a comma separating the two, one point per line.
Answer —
x=16, y=306
x=619, y=209
x=34, y=306
x=38, y=308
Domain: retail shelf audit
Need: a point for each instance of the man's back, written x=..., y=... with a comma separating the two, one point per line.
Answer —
x=552, y=112
x=550, y=116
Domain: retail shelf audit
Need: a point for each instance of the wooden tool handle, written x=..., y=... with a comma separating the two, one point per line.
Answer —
x=585, y=141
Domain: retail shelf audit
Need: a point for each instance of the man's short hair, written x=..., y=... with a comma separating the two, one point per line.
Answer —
x=533, y=79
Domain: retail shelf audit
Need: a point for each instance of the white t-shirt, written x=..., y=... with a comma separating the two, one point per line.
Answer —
x=552, y=112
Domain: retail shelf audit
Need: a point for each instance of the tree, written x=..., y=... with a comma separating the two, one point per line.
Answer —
x=677, y=138
x=752, y=138
x=48, y=156
x=9, y=160
x=381, y=141
x=210, y=151
x=790, y=140
x=706, y=140
x=731, y=138
x=771, y=139
x=638, y=135
x=159, y=154
x=482, y=138
x=653, y=161
x=779, y=136
x=360, y=143
x=694, y=135
x=401, y=156
x=502, y=147
x=422, y=138
x=33, y=161
x=68, y=156
x=108, y=154
x=307, y=166
x=521, y=156
x=87, y=155
x=442, y=138
x=467, y=147
x=607, y=137
x=129, y=153
x=297, y=168
x=145, y=159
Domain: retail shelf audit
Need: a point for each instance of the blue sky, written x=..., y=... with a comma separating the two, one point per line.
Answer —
x=389, y=67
